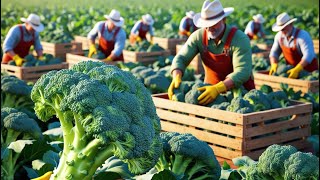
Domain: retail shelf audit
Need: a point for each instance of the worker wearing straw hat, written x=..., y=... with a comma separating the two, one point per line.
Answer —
x=187, y=26
x=254, y=28
x=112, y=37
x=20, y=38
x=296, y=46
x=225, y=52
x=141, y=28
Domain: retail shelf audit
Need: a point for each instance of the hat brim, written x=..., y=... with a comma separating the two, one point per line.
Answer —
x=148, y=22
x=116, y=23
x=189, y=15
x=199, y=22
x=258, y=20
x=277, y=28
x=36, y=28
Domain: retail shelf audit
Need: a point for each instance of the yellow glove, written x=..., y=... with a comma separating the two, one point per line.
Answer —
x=151, y=42
x=174, y=84
x=92, y=50
x=18, y=60
x=294, y=72
x=138, y=39
x=46, y=176
x=273, y=68
x=188, y=33
x=211, y=92
x=107, y=59
x=255, y=37
x=41, y=58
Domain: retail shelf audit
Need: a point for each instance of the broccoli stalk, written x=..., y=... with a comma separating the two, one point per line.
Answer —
x=103, y=112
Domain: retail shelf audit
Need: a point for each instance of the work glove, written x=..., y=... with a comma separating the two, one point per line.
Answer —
x=108, y=59
x=41, y=58
x=294, y=72
x=255, y=37
x=151, y=42
x=46, y=176
x=92, y=50
x=18, y=60
x=138, y=39
x=211, y=92
x=273, y=68
x=188, y=33
x=175, y=83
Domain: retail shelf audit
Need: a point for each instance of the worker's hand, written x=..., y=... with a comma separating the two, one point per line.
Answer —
x=273, y=68
x=210, y=93
x=294, y=72
x=18, y=60
x=41, y=58
x=108, y=59
x=151, y=41
x=92, y=50
x=176, y=81
x=138, y=39
x=255, y=37
x=46, y=176
x=188, y=33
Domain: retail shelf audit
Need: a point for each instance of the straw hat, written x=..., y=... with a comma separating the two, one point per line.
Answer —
x=190, y=14
x=259, y=18
x=147, y=18
x=283, y=20
x=34, y=21
x=115, y=17
x=211, y=14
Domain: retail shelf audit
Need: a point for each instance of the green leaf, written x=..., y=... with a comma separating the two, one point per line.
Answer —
x=4, y=152
x=31, y=172
x=51, y=157
x=243, y=161
x=19, y=145
x=107, y=175
x=164, y=175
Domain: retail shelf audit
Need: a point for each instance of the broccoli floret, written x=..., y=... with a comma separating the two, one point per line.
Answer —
x=239, y=105
x=221, y=106
x=278, y=99
x=103, y=112
x=178, y=96
x=271, y=161
x=258, y=99
x=266, y=89
x=302, y=166
x=182, y=156
x=192, y=95
x=252, y=173
x=315, y=123
x=157, y=83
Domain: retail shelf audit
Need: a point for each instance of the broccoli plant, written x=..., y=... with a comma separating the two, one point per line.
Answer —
x=103, y=112
x=187, y=157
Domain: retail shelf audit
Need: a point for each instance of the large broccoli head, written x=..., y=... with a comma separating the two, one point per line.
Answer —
x=103, y=111
x=188, y=157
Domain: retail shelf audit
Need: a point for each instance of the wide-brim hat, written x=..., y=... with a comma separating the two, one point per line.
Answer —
x=147, y=18
x=190, y=14
x=211, y=13
x=115, y=17
x=283, y=20
x=259, y=18
x=34, y=21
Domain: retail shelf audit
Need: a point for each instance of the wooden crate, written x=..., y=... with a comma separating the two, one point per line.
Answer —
x=196, y=62
x=61, y=49
x=72, y=59
x=31, y=73
x=169, y=43
x=262, y=77
x=316, y=45
x=84, y=41
x=143, y=57
x=232, y=134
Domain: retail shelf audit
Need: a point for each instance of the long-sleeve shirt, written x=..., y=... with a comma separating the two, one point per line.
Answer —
x=14, y=35
x=120, y=38
x=240, y=50
x=184, y=22
x=304, y=45
x=137, y=25
x=250, y=28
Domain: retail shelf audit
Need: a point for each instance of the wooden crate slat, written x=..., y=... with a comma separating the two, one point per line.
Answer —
x=225, y=153
x=144, y=57
x=84, y=41
x=200, y=123
x=169, y=43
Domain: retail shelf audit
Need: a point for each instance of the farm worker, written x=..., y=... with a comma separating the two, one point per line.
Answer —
x=20, y=38
x=225, y=52
x=141, y=28
x=254, y=28
x=296, y=46
x=112, y=37
x=187, y=26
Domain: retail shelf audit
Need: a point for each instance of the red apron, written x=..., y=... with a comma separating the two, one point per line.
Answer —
x=22, y=48
x=293, y=57
x=107, y=46
x=256, y=29
x=218, y=66
x=188, y=27
x=143, y=30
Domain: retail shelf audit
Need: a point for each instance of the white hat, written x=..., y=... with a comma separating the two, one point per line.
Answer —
x=259, y=18
x=147, y=18
x=211, y=14
x=190, y=14
x=283, y=20
x=115, y=17
x=34, y=21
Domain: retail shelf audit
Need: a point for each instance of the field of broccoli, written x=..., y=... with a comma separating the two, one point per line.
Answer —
x=100, y=121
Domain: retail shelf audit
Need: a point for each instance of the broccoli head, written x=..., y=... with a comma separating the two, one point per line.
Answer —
x=103, y=112
x=188, y=157
x=239, y=105
x=258, y=99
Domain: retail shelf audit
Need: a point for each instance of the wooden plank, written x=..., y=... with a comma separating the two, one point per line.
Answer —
x=169, y=43
x=225, y=153
x=143, y=57
x=84, y=41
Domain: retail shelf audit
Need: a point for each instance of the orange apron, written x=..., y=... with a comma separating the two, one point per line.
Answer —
x=188, y=27
x=218, y=66
x=22, y=48
x=293, y=57
x=256, y=29
x=106, y=46
x=143, y=30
